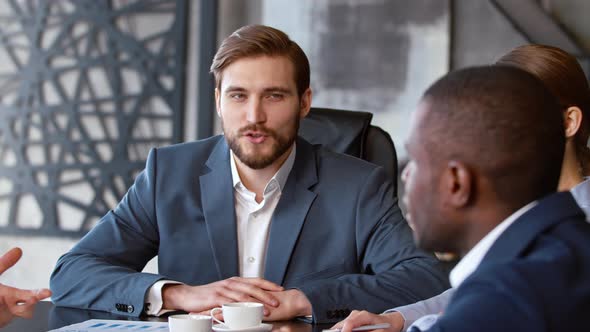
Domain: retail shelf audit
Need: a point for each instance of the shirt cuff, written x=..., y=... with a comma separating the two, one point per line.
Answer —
x=423, y=324
x=408, y=315
x=153, y=299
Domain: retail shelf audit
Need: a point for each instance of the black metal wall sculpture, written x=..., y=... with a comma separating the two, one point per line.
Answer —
x=86, y=88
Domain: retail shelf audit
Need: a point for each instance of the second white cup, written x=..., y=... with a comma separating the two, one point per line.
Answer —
x=189, y=323
x=240, y=315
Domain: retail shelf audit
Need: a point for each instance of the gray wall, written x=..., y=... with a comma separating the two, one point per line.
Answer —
x=480, y=34
x=376, y=55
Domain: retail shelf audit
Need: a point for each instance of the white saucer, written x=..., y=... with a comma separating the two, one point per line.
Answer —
x=260, y=328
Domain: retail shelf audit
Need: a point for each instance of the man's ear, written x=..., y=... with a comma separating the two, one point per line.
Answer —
x=305, y=103
x=217, y=102
x=572, y=120
x=457, y=184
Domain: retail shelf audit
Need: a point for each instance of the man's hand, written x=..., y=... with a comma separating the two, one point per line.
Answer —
x=13, y=301
x=206, y=297
x=360, y=318
x=9, y=259
x=292, y=303
x=19, y=302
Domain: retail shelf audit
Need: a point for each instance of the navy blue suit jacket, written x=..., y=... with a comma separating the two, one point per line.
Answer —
x=336, y=234
x=536, y=276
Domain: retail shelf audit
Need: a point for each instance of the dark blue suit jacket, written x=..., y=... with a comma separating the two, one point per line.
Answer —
x=336, y=234
x=536, y=276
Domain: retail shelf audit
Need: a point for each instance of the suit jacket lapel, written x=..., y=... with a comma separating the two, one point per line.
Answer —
x=217, y=197
x=548, y=212
x=290, y=213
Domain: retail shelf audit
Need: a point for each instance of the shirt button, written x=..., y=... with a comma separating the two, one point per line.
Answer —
x=255, y=215
x=251, y=259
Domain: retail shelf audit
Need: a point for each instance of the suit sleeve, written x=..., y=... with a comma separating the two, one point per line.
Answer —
x=490, y=307
x=394, y=271
x=432, y=306
x=103, y=271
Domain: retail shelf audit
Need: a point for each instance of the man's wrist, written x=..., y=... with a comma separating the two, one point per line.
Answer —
x=153, y=298
x=172, y=296
x=395, y=319
x=302, y=304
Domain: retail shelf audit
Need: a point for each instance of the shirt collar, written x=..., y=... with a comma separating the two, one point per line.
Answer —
x=581, y=193
x=471, y=261
x=280, y=176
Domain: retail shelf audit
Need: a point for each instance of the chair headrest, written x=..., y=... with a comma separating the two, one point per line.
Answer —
x=338, y=130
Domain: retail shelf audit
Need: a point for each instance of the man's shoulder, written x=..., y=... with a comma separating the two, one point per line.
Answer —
x=528, y=290
x=193, y=149
x=563, y=241
x=563, y=247
x=338, y=171
x=189, y=156
x=550, y=274
x=332, y=160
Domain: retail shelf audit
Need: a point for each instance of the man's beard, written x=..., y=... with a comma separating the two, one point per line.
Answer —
x=280, y=145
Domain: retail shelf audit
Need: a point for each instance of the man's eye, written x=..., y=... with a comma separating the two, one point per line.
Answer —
x=275, y=96
x=237, y=96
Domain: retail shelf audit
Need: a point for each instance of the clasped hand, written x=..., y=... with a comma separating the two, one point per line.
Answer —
x=279, y=304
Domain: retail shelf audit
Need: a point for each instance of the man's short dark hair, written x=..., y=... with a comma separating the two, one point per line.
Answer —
x=503, y=122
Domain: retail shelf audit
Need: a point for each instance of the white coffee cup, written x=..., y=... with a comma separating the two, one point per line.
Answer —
x=189, y=323
x=240, y=315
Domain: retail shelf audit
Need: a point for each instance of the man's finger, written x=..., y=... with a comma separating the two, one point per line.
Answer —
x=255, y=293
x=24, y=310
x=264, y=284
x=236, y=295
x=219, y=301
x=43, y=293
x=341, y=323
x=337, y=325
x=14, y=296
x=360, y=319
x=10, y=258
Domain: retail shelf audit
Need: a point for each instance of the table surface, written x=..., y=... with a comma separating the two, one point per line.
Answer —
x=48, y=317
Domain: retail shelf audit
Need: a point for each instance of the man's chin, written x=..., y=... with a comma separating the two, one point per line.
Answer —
x=257, y=155
x=256, y=160
x=429, y=245
x=421, y=241
x=254, y=155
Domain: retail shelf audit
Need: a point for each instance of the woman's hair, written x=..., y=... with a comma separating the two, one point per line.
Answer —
x=564, y=77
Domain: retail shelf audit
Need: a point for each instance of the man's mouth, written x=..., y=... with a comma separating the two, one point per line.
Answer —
x=255, y=137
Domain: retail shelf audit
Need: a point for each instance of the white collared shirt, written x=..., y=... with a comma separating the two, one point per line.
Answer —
x=471, y=261
x=253, y=224
x=253, y=218
x=581, y=193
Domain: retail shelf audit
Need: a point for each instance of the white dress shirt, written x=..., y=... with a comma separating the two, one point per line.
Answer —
x=253, y=218
x=581, y=193
x=471, y=261
x=253, y=224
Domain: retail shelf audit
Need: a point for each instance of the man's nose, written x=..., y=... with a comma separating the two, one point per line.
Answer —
x=255, y=112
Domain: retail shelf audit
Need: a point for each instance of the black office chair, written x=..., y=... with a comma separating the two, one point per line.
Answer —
x=351, y=132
